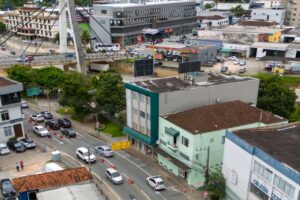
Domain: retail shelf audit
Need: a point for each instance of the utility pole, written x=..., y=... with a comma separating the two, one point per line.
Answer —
x=62, y=27
x=207, y=169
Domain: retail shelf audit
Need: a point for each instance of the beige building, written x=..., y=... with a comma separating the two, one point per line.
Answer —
x=293, y=13
x=39, y=27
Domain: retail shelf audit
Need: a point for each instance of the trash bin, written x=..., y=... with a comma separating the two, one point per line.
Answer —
x=56, y=157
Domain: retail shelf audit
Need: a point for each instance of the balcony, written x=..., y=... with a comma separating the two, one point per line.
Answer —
x=173, y=147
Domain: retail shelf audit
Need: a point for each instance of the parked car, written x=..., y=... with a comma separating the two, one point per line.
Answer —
x=3, y=48
x=69, y=55
x=28, y=143
x=16, y=146
x=52, y=124
x=236, y=62
x=156, y=182
x=242, y=70
x=3, y=149
x=242, y=62
x=114, y=176
x=12, y=53
x=41, y=131
x=65, y=123
x=7, y=188
x=84, y=154
x=24, y=104
x=46, y=115
x=233, y=58
x=21, y=59
x=220, y=59
x=224, y=69
x=104, y=151
x=68, y=132
x=37, y=117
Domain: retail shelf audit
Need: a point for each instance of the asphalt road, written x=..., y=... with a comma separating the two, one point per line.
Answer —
x=127, y=165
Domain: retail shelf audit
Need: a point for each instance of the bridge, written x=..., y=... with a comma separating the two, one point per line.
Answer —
x=62, y=59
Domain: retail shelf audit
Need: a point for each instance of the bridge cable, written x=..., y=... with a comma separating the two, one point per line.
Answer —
x=21, y=22
x=50, y=13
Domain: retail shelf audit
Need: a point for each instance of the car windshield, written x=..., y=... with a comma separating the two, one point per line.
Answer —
x=115, y=174
x=160, y=182
x=28, y=140
x=108, y=149
x=18, y=145
x=42, y=129
x=7, y=185
x=3, y=147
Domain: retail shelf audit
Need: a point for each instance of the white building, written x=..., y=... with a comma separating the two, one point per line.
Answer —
x=272, y=3
x=212, y=21
x=11, y=122
x=276, y=15
x=263, y=163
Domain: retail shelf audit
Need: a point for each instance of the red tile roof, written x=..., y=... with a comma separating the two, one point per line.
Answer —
x=257, y=23
x=6, y=82
x=212, y=17
x=221, y=116
x=51, y=179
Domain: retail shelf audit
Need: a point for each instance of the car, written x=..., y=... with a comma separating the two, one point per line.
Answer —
x=220, y=59
x=29, y=58
x=114, y=176
x=21, y=59
x=27, y=143
x=69, y=55
x=65, y=123
x=41, y=131
x=52, y=124
x=7, y=188
x=224, y=69
x=242, y=70
x=85, y=155
x=236, y=62
x=104, y=151
x=156, y=182
x=242, y=62
x=16, y=146
x=12, y=53
x=3, y=48
x=37, y=117
x=24, y=105
x=4, y=149
x=46, y=115
x=68, y=132
x=232, y=58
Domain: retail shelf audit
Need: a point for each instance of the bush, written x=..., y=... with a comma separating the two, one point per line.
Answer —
x=12, y=139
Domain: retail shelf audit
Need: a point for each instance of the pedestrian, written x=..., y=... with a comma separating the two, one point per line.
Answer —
x=22, y=165
x=17, y=167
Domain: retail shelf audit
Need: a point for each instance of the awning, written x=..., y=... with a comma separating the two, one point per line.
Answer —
x=172, y=131
x=176, y=162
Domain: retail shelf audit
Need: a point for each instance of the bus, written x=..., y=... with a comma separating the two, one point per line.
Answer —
x=98, y=47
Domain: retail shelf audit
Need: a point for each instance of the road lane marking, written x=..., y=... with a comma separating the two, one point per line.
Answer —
x=145, y=195
x=57, y=140
x=87, y=144
x=133, y=163
x=81, y=135
x=143, y=165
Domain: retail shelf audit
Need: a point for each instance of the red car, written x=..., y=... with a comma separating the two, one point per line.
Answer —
x=3, y=48
x=29, y=58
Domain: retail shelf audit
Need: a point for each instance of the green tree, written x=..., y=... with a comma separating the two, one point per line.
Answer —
x=216, y=184
x=22, y=74
x=275, y=96
x=85, y=37
x=209, y=6
x=2, y=27
x=50, y=78
x=238, y=10
x=110, y=92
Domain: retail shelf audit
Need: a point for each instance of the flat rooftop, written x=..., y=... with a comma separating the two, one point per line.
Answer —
x=174, y=83
x=221, y=116
x=248, y=30
x=280, y=142
x=6, y=82
x=128, y=5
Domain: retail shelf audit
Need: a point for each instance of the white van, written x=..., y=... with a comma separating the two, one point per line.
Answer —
x=3, y=149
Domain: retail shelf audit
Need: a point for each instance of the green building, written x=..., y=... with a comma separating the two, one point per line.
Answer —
x=190, y=141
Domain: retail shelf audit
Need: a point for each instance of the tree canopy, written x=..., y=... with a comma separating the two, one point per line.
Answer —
x=275, y=96
x=2, y=27
x=85, y=37
x=216, y=184
x=209, y=6
x=238, y=10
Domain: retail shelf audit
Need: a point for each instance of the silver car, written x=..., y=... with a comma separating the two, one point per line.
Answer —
x=104, y=151
x=114, y=176
x=40, y=130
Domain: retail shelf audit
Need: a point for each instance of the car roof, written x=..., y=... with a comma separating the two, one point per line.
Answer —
x=83, y=149
x=3, y=145
x=105, y=147
x=157, y=178
x=111, y=170
x=39, y=126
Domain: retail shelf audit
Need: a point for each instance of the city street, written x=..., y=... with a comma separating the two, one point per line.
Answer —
x=129, y=166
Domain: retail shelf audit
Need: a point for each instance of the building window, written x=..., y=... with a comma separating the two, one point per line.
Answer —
x=103, y=11
x=135, y=111
x=185, y=141
x=148, y=100
x=262, y=171
x=142, y=114
x=11, y=98
x=5, y=115
x=258, y=192
x=142, y=98
x=7, y=131
x=134, y=95
x=284, y=186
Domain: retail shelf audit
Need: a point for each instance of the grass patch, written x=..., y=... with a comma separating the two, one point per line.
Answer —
x=295, y=116
x=131, y=60
x=290, y=80
x=84, y=26
x=113, y=129
x=66, y=111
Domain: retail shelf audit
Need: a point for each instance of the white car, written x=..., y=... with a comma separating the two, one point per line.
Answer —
x=3, y=149
x=236, y=62
x=233, y=58
x=84, y=154
x=156, y=182
x=37, y=117
x=114, y=176
x=104, y=151
x=40, y=130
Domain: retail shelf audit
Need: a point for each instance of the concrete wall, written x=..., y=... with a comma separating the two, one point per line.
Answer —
x=101, y=33
x=269, y=14
x=171, y=102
